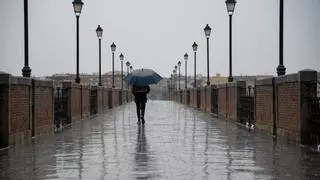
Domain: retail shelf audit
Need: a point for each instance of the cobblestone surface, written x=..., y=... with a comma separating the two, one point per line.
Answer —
x=176, y=142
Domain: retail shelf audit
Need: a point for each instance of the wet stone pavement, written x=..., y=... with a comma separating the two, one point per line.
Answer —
x=177, y=142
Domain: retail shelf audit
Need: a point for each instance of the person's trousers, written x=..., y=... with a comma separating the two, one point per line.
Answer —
x=141, y=106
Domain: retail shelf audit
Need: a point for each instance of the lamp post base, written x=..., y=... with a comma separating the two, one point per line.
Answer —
x=26, y=71
x=208, y=83
x=100, y=84
x=230, y=79
x=281, y=70
x=78, y=79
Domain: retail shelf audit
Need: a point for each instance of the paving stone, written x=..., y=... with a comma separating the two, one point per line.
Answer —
x=177, y=142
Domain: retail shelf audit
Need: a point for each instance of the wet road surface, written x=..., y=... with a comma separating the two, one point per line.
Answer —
x=177, y=142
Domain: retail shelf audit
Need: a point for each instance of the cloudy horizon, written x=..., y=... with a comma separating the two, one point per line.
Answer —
x=156, y=35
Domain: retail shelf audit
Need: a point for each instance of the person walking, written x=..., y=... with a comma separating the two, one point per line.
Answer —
x=140, y=98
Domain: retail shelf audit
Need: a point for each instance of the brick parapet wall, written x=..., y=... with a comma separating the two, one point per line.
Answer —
x=86, y=104
x=5, y=114
x=124, y=96
x=193, y=97
x=100, y=99
x=198, y=97
x=294, y=118
x=20, y=102
x=187, y=97
x=208, y=98
x=43, y=111
x=105, y=98
x=203, y=98
x=222, y=101
x=288, y=109
x=110, y=98
x=16, y=108
x=184, y=93
x=73, y=91
x=264, y=104
x=117, y=97
x=289, y=103
x=228, y=99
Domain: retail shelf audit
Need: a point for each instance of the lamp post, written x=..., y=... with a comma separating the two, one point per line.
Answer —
x=195, y=48
x=26, y=71
x=174, y=79
x=113, y=49
x=176, y=71
x=207, y=32
x=121, y=59
x=171, y=87
x=77, y=6
x=185, y=76
x=281, y=70
x=179, y=64
x=99, y=32
x=128, y=65
x=230, y=7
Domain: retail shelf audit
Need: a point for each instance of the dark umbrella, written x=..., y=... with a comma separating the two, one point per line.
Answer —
x=143, y=77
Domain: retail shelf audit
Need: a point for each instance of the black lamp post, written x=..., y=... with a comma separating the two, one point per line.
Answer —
x=171, y=86
x=281, y=70
x=121, y=59
x=174, y=79
x=185, y=77
x=128, y=65
x=26, y=71
x=113, y=49
x=179, y=64
x=77, y=6
x=195, y=48
x=230, y=7
x=99, y=32
x=176, y=71
x=207, y=32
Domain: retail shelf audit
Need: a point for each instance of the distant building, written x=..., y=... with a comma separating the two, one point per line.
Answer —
x=218, y=79
x=90, y=79
x=107, y=80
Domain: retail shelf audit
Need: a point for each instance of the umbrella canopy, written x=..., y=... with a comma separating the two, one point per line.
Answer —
x=143, y=77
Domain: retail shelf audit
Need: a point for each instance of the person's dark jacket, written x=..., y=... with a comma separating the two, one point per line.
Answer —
x=140, y=93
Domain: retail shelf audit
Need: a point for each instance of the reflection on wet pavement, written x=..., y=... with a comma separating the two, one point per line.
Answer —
x=176, y=142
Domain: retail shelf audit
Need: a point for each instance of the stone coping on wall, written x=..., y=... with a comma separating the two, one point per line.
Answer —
x=232, y=84
x=308, y=76
x=85, y=87
x=43, y=83
x=210, y=87
x=70, y=84
x=214, y=86
x=93, y=87
x=14, y=80
x=289, y=78
x=20, y=81
x=264, y=82
x=301, y=76
x=100, y=87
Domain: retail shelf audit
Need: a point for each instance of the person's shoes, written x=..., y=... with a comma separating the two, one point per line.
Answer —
x=142, y=120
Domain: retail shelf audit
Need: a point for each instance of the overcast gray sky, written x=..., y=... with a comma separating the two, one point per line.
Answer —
x=156, y=34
